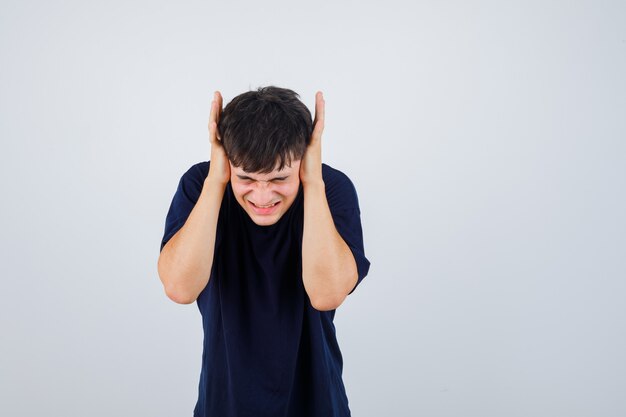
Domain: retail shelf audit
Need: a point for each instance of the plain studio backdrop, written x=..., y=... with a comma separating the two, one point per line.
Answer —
x=486, y=141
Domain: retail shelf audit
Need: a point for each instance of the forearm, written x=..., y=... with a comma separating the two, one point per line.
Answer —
x=328, y=267
x=186, y=260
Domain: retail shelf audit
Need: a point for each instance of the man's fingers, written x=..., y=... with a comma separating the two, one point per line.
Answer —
x=214, y=116
x=318, y=123
x=214, y=130
x=218, y=110
x=213, y=122
x=219, y=105
x=212, y=113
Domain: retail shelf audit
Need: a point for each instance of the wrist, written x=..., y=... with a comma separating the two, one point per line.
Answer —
x=317, y=184
x=213, y=182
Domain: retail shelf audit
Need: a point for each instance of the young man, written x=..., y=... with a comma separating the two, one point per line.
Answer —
x=267, y=240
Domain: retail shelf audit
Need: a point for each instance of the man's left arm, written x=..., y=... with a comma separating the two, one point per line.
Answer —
x=329, y=270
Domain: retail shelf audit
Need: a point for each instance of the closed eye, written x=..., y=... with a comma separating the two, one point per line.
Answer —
x=248, y=179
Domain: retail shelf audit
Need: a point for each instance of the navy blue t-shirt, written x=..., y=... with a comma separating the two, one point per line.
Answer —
x=267, y=351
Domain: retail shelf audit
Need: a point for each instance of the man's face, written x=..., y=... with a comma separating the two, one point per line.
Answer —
x=253, y=190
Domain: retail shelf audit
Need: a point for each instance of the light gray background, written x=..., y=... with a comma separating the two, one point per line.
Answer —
x=486, y=142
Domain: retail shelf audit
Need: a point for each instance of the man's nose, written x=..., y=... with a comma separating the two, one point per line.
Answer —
x=264, y=188
x=264, y=183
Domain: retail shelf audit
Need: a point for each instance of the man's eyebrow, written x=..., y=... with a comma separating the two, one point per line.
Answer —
x=245, y=177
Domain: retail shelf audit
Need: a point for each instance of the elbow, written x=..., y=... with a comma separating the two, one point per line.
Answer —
x=332, y=300
x=173, y=291
x=326, y=304
x=179, y=297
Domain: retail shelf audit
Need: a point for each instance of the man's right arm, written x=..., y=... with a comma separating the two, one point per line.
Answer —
x=186, y=260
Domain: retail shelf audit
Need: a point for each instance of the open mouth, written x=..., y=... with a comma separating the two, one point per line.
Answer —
x=266, y=206
x=264, y=209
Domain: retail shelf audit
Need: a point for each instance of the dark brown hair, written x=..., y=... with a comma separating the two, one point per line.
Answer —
x=260, y=128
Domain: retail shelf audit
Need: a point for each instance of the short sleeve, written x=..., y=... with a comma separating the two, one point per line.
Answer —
x=348, y=225
x=344, y=207
x=184, y=200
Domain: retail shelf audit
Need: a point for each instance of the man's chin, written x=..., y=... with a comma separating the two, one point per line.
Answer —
x=264, y=220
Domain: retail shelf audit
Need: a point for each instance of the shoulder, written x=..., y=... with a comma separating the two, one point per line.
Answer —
x=199, y=170
x=333, y=174
x=340, y=190
x=192, y=180
x=196, y=174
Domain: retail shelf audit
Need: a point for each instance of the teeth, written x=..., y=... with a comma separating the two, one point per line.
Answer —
x=271, y=205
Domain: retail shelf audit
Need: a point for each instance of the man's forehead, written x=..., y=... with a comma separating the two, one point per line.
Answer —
x=285, y=171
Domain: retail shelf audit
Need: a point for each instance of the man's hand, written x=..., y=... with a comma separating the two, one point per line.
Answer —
x=219, y=170
x=311, y=164
x=329, y=270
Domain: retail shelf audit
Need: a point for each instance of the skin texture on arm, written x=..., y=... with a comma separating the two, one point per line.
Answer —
x=185, y=263
x=329, y=270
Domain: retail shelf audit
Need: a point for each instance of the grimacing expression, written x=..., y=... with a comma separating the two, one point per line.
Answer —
x=257, y=192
